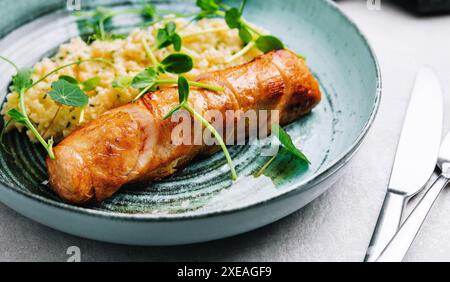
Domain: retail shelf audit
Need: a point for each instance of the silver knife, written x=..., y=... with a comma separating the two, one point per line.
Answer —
x=415, y=160
x=399, y=246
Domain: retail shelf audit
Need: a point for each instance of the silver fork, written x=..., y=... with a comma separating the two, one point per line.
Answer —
x=400, y=244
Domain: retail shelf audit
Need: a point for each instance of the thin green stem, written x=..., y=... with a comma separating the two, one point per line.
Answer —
x=79, y=62
x=195, y=84
x=220, y=13
x=207, y=86
x=241, y=53
x=164, y=20
x=101, y=26
x=265, y=167
x=149, y=52
x=252, y=29
x=48, y=146
x=10, y=62
x=241, y=8
x=53, y=120
x=243, y=21
x=82, y=111
x=216, y=134
x=142, y=93
x=186, y=25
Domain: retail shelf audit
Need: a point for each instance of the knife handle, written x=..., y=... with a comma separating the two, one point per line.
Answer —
x=399, y=246
x=387, y=225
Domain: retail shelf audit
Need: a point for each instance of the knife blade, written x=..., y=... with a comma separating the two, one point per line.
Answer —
x=415, y=160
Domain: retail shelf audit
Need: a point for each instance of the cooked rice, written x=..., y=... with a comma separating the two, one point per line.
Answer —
x=209, y=42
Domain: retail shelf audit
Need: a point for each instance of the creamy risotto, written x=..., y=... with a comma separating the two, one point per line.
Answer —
x=209, y=42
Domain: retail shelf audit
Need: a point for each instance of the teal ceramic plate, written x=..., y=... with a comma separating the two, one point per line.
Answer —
x=200, y=203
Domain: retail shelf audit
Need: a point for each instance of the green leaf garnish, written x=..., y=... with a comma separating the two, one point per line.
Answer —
x=177, y=63
x=69, y=79
x=269, y=43
x=183, y=89
x=288, y=145
x=167, y=36
x=68, y=94
x=144, y=79
x=245, y=35
x=208, y=5
x=183, y=93
x=99, y=22
x=87, y=85
x=122, y=82
x=91, y=83
x=17, y=116
x=22, y=80
x=149, y=11
x=233, y=18
x=287, y=142
x=208, y=8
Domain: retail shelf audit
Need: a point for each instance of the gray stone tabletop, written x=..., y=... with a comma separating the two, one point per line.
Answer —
x=338, y=225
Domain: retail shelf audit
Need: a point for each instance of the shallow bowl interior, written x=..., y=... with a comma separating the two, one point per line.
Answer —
x=337, y=53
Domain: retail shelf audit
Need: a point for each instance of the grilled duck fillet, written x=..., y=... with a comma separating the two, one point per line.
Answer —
x=133, y=143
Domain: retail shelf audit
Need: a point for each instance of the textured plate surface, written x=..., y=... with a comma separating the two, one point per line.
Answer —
x=336, y=52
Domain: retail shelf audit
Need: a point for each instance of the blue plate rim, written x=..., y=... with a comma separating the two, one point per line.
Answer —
x=292, y=190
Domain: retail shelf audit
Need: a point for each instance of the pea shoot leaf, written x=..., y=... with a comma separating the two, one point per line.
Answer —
x=68, y=94
x=183, y=89
x=167, y=36
x=122, y=82
x=177, y=42
x=233, y=18
x=269, y=43
x=91, y=83
x=22, y=80
x=287, y=142
x=245, y=35
x=144, y=79
x=208, y=5
x=149, y=11
x=100, y=22
x=183, y=96
x=17, y=116
x=176, y=63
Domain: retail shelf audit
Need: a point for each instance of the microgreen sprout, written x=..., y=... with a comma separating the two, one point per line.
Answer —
x=69, y=91
x=208, y=8
x=21, y=83
x=63, y=92
x=149, y=79
x=99, y=20
x=288, y=145
x=249, y=35
x=183, y=92
x=168, y=36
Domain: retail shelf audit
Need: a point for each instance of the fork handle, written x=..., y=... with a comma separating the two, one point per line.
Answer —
x=387, y=224
x=399, y=246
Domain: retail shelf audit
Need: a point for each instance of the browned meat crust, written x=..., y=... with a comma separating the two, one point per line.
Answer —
x=133, y=143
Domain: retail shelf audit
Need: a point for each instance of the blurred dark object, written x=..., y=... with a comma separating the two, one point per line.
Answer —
x=426, y=6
